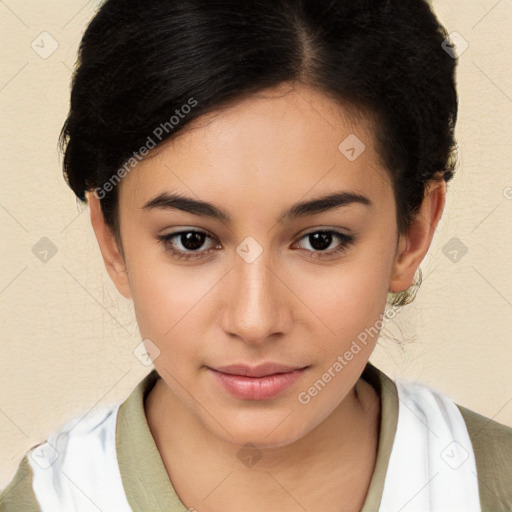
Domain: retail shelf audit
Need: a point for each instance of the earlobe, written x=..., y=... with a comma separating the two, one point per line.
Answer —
x=110, y=251
x=414, y=244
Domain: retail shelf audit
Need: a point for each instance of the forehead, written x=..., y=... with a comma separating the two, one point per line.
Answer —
x=276, y=147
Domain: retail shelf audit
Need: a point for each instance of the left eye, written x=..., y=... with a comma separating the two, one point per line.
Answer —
x=193, y=240
x=319, y=239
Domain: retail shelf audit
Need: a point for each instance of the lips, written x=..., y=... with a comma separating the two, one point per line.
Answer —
x=262, y=382
x=262, y=370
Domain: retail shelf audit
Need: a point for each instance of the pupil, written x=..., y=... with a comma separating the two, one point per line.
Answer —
x=321, y=240
x=192, y=240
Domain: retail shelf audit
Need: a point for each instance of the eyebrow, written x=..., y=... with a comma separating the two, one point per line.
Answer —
x=322, y=204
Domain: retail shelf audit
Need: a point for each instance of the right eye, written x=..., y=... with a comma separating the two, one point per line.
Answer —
x=190, y=240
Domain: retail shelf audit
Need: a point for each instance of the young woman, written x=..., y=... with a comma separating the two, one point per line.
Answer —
x=264, y=179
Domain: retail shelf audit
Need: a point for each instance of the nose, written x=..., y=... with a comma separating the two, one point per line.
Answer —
x=258, y=309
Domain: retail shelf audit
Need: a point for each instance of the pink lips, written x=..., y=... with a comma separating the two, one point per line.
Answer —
x=258, y=383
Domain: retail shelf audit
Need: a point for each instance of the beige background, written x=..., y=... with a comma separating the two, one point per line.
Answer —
x=68, y=337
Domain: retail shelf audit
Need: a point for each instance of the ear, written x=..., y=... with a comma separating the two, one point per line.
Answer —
x=414, y=244
x=112, y=255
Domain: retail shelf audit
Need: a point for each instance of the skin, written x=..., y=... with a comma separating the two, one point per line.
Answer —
x=255, y=159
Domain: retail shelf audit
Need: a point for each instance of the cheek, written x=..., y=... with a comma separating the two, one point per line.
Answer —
x=346, y=299
x=348, y=304
x=162, y=292
x=169, y=303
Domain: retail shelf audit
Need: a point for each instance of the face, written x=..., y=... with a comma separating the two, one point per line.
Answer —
x=261, y=282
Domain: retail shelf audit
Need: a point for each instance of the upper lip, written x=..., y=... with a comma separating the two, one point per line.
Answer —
x=261, y=370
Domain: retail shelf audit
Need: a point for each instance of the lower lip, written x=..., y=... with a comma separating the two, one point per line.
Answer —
x=257, y=388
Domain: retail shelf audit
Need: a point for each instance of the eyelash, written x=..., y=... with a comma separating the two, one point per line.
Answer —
x=347, y=241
